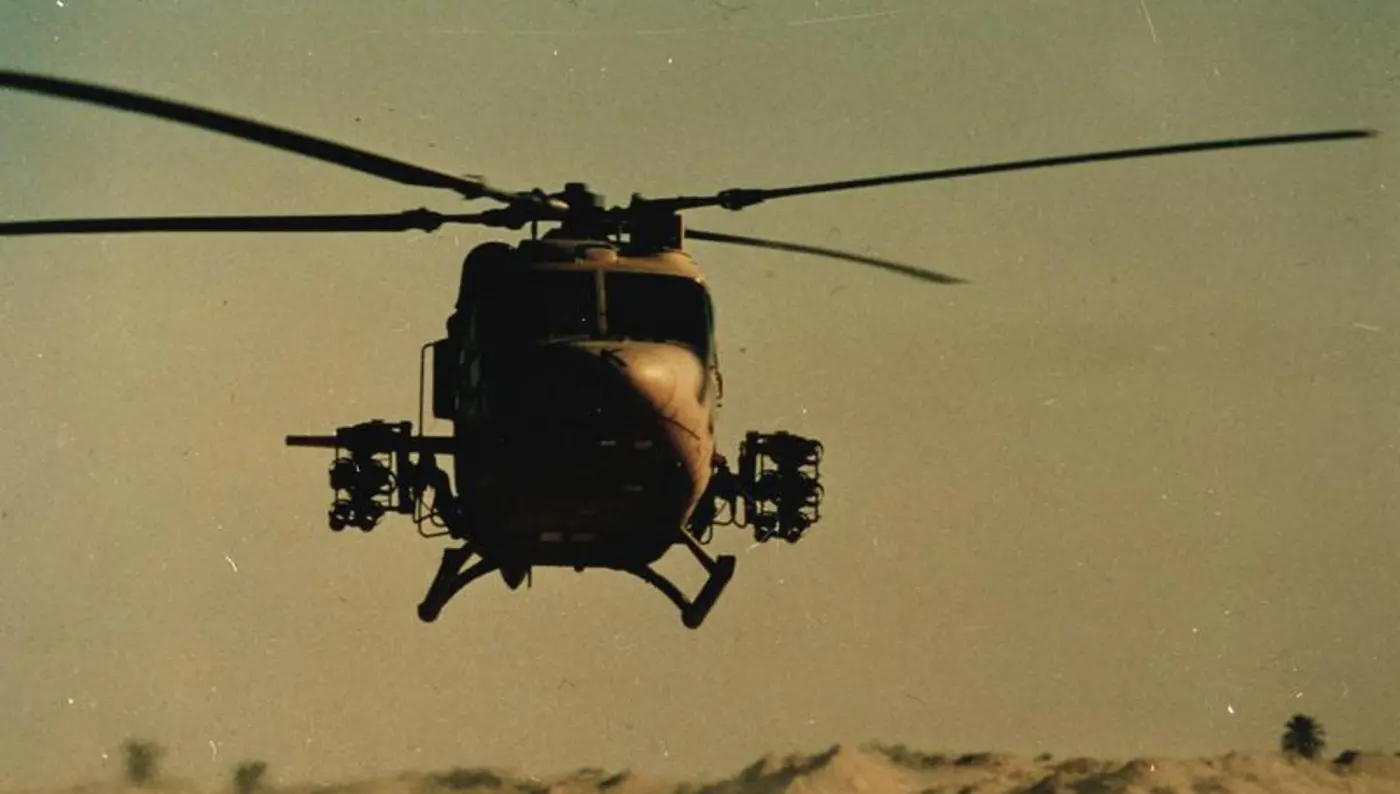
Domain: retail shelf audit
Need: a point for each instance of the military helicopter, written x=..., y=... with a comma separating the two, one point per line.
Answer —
x=579, y=370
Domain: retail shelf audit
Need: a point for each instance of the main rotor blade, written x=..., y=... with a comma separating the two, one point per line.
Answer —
x=885, y=264
x=255, y=131
x=423, y=219
x=739, y=198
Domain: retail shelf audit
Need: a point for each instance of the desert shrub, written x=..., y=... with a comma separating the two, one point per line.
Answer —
x=1346, y=757
x=1303, y=736
x=142, y=761
x=913, y=759
x=614, y=781
x=248, y=776
x=460, y=778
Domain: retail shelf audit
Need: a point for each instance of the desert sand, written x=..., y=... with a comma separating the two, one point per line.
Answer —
x=894, y=769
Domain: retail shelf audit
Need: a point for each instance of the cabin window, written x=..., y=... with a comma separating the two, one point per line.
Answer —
x=539, y=306
x=659, y=308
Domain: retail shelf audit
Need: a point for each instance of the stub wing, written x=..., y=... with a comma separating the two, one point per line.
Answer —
x=377, y=437
x=374, y=471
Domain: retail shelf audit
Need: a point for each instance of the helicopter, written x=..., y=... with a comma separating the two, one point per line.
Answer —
x=579, y=369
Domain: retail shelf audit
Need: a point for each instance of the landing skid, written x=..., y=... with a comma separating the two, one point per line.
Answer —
x=693, y=613
x=452, y=577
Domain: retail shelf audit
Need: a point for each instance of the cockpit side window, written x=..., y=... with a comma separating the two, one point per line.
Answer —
x=660, y=308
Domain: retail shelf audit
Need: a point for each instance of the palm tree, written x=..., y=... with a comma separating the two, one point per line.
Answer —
x=142, y=761
x=248, y=776
x=1303, y=737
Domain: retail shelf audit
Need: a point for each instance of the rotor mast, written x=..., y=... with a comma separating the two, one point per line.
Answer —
x=643, y=226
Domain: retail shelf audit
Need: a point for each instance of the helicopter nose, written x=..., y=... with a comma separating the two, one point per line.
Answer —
x=563, y=391
x=668, y=383
x=600, y=439
x=670, y=380
x=626, y=405
x=566, y=390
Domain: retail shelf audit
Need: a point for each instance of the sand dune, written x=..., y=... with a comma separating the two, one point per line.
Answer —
x=896, y=769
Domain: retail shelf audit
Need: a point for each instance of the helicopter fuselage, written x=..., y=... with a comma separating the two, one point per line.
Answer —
x=583, y=385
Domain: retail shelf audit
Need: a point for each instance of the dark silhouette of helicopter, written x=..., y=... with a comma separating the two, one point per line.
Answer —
x=579, y=369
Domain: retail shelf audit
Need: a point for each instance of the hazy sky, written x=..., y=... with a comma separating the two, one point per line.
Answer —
x=1132, y=491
